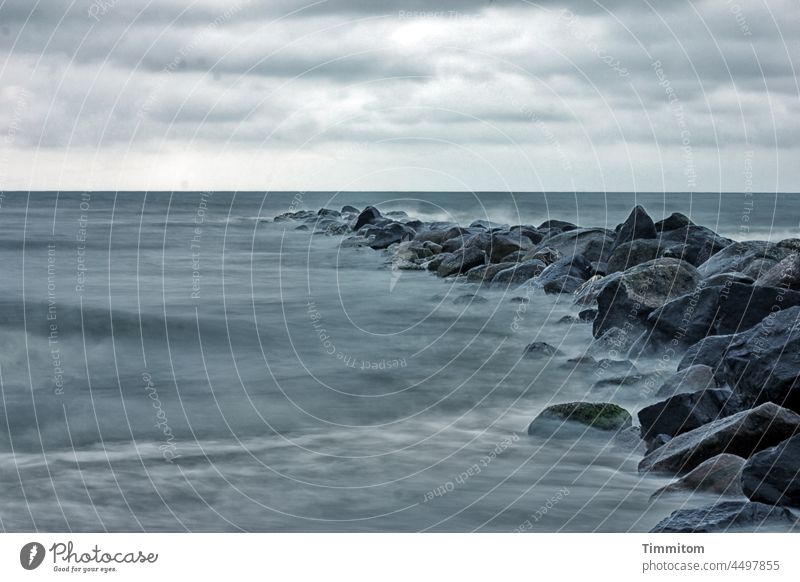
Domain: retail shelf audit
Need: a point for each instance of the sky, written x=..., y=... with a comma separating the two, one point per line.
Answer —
x=469, y=95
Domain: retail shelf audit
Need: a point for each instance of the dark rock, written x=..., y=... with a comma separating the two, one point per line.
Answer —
x=565, y=275
x=485, y=273
x=724, y=516
x=329, y=212
x=743, y=434
x=599, y=415
x=593, y=243
x=693, y=244
x=587, y=315
x=440, y=235
x=674, y=221
x=707, y=352
x=347, y=209
x=520, y=300
x=629, y=297
x=632, y=253
x=486, y=224
x=784, y=274
x=415, y=224
x=684, y=412
x=658, y=441
x=773, y=475
x=461, y=262
x=531, y=233
x=571, y=319
x=638, y=225
x=790, y=244
x=714, y=311
x=545, y=254
x=389, y=235
x=691, y=379
x=515, y=257
x=762, y=364
x=368, y=216
x=469, y=299
x=518, y=273
x=719, y=475
x=748, y=257
x=557, y=224
x=728, y=279
x=435, y=262
x=302, y=227
x=541, y=350
x=616, y=382
x=501, y=245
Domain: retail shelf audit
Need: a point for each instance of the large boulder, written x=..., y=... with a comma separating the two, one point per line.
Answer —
x=502, y=245
x=674, y=221
x=690, y=379
x=784, y=274
x=485, y=273
x=388, y=235
x=773, y=475
x=595, y=244
x=565, y=275
x=599, y=415
x=728, y=515
x=519, y=273
x=545, y=254
x=694, y=244
x=762, y=364
x=638, y=225
x=748, y=257
x=714, y=311
x=628, y=298
x=529, y=232
x=368, y=216
x=720, y=475
x=742, y=434
x=684, y=412
x=461, y=261
x=441, y=233
x=632, y=253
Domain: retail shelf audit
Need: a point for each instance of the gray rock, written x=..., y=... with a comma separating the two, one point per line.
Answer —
x=545, y=254
x=742, y=434
x=693, y=244
x=368, y=216
x=519, y=273
x=461, y=262
x=658, y=441
x=501, y=245
x=469, y=299
x=632, y=253
x=674, y=221
x=440, y=235
x=347, y=209
x=684, y=412
x=728, y=279
x=389, y=235
x=784, y=274
x=690, y=379
x=565, y=275
x=485, y=273
x=541, y=350
x=725, y=516
x=595, y=244
x=744, y=257
x=718, y=474
x=773, y=475
x=599, y=415
x=638, y=225
x=560, y=225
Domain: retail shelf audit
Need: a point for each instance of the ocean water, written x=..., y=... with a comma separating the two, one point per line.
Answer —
x=178, y=362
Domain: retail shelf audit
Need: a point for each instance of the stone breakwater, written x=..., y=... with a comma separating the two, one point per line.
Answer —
x=720, y=318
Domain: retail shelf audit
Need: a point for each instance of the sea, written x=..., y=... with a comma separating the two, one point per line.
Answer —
x=177, y=361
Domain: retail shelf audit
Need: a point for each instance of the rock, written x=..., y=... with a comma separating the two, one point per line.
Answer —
x=718, y=474
x=593, y=243
x=469, y=299
x=632, y=253
x=599, y=415
x=486, y=224
x=790, y=244
x=415, y=250
x=519, y=273
x=743, y=434
x=785, y=274
x=744, y=257
x=545, y=254
x=587, y=293
x=435, y=262
x=336, y=229
x=674, y=221
x=707, y=352
x=461, y=262
x=520, y=300
x=724, y=516
x=329, y=212
x=658, y=441
x=587, y=315
x=714, y=311
x=389, y=235
x=541, y=350
x=762, y=364
x=638, y=225
x=690, y=379
x=485, y=273
x=728, y=279
x=501, y=245
x=693, y=244
x=301, y=227
x=515, y=257
x=684, y=412
x=368, y=216
x=628, y=298
x=565, y=275
x=616, y=382
x=531, y=233
x=571, y=319
x=347, y=209
x=557, y=224
x=440, y=235
x=773, y=475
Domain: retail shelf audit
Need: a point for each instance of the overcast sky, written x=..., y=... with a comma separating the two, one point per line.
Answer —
x=408, y=95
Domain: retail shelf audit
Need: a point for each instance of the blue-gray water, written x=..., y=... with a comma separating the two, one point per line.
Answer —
x=294, y=384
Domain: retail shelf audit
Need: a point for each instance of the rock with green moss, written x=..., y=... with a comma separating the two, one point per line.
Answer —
x=599, y=415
